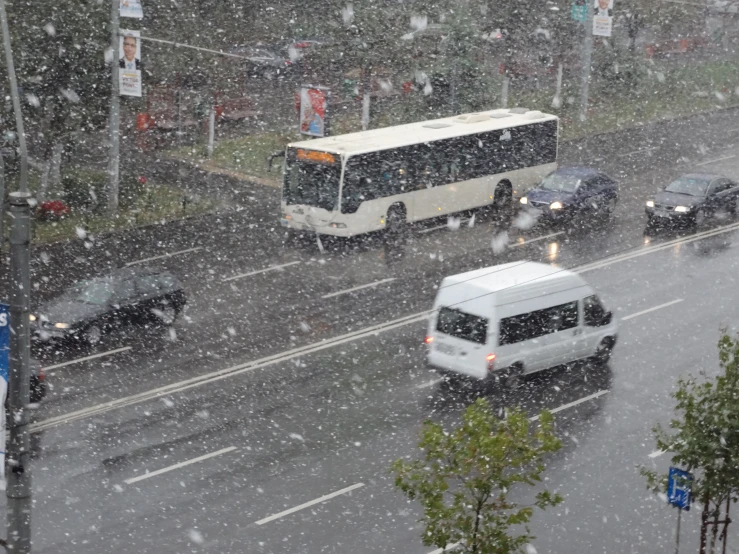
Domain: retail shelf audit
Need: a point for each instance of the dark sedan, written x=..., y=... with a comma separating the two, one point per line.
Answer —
x=572, y=191
x=97, y=306
x=692, y=199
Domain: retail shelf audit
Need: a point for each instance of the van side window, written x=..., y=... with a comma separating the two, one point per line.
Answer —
x=457, y=323
x=538, y=323
x=594, y=312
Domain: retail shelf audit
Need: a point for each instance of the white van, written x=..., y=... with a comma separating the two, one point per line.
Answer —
x=516, y=318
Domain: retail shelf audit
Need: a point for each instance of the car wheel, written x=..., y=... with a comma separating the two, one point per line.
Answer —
x=395, y=223
x=167, y=314
x=604, y=351
x=699, y=219
x=93, y=335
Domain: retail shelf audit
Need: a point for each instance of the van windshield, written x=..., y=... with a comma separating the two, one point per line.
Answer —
x=462, y=325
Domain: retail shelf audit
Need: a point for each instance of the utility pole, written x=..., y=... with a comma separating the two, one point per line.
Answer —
x=18, y=455
x=114, y=158
x=587, y=60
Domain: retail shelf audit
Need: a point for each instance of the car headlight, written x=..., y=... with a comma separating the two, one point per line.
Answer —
x=650, y=203
x=682, y=209
x=524, y=200
x=61, y=325
x=555, y=206
x=32, y=317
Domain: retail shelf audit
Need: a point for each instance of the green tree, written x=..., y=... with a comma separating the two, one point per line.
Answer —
x=465, y=477
x=704, y=439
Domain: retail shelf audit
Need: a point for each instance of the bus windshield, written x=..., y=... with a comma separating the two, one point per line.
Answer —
x=312, y=184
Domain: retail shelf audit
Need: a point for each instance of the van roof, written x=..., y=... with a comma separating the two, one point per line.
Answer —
x=509, y=281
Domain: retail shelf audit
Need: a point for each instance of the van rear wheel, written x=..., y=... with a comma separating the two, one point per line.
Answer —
x=604, y=351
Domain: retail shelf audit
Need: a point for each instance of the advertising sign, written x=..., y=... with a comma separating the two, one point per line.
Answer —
x=579, y=10
x=131, y=8
x=603, y=18
x=314, y=111
x=129, y=75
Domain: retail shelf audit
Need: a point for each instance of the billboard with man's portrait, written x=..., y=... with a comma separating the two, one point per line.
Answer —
x=314, y=111
x=129, y=72
x=603, y=18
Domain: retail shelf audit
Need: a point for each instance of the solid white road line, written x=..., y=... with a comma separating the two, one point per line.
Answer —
x=717, y=160
x=447, y=549
x=178, y=466
x=257, y=272
x=87, y=358
x=529, y=241
x=165, y=256
x=429, y=384
x=573, y=404
x=309, y=504
x=316, y=347
x=654, y=309
x=656, y=453
x=360, y=287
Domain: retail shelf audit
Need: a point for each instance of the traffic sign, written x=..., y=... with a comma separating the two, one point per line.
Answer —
x=579, y=13
x=4, y=340
x=679, y=484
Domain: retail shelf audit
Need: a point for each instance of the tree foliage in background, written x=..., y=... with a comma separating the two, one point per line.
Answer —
x=704, y=438
x=464, y=479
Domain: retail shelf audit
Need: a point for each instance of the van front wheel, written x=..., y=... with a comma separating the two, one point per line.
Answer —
x=604, y=351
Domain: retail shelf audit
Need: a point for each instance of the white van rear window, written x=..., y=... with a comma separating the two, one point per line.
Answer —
x=462, y=325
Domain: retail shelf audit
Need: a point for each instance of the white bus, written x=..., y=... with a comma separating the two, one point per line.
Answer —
x=361, y=182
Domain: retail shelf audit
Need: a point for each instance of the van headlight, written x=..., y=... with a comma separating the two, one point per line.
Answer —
x=682, y=209
x=524, y=200
x=556, y=206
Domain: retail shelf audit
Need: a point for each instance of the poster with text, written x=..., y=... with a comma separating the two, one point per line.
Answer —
x=131, y=8
x=129, y=74
x=603, y=18
x=314, y=111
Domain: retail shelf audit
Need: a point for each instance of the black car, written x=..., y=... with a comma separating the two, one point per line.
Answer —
x=692, y=199
x=100, y=305
x=571, y=191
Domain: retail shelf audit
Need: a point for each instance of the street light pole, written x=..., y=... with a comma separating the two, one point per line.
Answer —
x=587, y=60
x=18, y=452
x=114, y=157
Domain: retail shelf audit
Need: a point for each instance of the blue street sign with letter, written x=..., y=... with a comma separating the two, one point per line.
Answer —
x=679, y=484
x=4, y=340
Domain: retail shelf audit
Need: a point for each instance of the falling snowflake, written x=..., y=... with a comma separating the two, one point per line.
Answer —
x=196, y=536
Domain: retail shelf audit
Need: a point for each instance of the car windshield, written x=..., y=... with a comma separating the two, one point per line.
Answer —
x=692, y=186
x=94, y=291
x=560, y=182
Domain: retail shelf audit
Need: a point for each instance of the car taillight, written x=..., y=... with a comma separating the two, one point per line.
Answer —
x=41, y=374
x=429, y=340
x=490, y=358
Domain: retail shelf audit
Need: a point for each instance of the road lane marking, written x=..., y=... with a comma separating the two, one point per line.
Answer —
x=316, y=347
x=360, y=287
x=447, y=549
x=643, y=150
x=87, y=358
x=529, y=241
x=656, y=453
x=429, y=384
x=323, y=498
x=717, y=160
x=653, y=309
x=179, y=465
x=258, y=271
x=165, y=256
x=574, y=403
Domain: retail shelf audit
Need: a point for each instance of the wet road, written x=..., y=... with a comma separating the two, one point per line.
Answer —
x=286, y=384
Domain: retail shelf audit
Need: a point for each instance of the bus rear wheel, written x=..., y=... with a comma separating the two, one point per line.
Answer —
x=395, y=221
x=503, y=195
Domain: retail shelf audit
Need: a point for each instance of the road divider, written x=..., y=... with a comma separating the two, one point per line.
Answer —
x=320, y=500
x=163, y=256
x=259, y=271
x=88, y=358
x=186, y=463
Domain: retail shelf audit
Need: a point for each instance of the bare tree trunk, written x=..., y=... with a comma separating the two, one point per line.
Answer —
x=727, y=520
x=704, y=525
x=714, y=530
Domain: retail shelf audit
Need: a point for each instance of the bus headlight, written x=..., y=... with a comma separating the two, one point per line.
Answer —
x=524, y=200
x=555, y=206
x=650, y=203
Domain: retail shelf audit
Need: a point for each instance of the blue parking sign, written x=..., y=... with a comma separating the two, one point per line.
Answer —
x=679, y=484
x=4, y=341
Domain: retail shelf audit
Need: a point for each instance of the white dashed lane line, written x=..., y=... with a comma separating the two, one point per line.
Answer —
x=163, y=256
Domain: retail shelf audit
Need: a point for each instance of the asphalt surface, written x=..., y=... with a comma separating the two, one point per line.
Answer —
x=278, y=388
